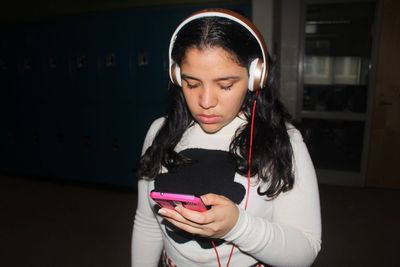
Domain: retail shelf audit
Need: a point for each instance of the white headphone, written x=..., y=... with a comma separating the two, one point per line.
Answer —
x=258, y=70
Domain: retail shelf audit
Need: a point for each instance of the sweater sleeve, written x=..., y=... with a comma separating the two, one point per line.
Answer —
x=147, y=241
x=293, y=236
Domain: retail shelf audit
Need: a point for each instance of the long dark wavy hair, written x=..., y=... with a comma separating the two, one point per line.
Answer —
x=272, y=154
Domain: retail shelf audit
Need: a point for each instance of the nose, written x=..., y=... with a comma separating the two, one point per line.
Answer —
x=208, y=98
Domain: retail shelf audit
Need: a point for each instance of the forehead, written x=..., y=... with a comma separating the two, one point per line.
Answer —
x=215, y=51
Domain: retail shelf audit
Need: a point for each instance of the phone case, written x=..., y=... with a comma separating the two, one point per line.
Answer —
x=171, y=200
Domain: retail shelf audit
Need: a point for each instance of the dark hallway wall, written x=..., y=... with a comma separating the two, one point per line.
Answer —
x=28, y=11
x=79, y=92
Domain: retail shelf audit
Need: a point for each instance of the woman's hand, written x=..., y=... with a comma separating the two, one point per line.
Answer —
x=213, y=223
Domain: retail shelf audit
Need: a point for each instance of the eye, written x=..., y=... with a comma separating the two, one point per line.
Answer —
x=226, y=87
x=191, y=85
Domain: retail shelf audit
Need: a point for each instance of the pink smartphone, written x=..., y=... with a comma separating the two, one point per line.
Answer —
x=171, y=200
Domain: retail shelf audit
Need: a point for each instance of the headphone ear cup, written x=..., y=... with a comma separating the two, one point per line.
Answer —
x=175, y=74
x=178, y=75
x=255, y=71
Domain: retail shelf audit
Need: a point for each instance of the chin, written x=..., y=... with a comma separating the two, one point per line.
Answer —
x=211, y=128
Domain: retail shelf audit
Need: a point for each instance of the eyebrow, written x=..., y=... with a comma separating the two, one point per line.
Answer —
x=235, y=78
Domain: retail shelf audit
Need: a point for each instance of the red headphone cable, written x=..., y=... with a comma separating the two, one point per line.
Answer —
x=248, y=179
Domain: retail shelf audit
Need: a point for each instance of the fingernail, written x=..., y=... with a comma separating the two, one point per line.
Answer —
x=162, y=212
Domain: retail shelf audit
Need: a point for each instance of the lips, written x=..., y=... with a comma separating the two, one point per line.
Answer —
x=209, y=119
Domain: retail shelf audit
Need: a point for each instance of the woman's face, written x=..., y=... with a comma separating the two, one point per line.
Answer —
x=214, y=86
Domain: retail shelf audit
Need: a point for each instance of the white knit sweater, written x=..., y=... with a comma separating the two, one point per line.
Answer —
x=285, y=231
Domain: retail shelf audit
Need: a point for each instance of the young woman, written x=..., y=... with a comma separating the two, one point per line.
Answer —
x=228, y=139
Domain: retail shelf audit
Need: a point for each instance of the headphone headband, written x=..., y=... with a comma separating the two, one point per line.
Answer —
x=224, y=13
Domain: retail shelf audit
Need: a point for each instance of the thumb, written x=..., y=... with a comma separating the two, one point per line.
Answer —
x=211, y=199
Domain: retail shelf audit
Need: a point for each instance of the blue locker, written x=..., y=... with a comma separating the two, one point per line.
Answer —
x=116, y=146
x=7, y=78
x=83, y=91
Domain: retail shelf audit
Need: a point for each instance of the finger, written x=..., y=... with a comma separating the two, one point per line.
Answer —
x=177, y=217
x=211, y=199
x=185, y=227
x=201, y=218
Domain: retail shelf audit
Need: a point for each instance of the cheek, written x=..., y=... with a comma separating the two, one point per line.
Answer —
x=190, y=98
x=233, y=104
x=240, y=98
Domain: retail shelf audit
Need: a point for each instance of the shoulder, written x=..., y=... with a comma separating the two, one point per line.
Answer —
x=156, y=125
x=293, y=133
x=302, y=159
x=299, y=147
x=151, y=133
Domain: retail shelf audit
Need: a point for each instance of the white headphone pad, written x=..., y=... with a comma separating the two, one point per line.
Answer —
x=175, y=74
x=252, y=74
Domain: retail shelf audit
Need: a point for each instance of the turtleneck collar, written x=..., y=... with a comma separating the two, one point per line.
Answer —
x=227, y=130
x=196, y=137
